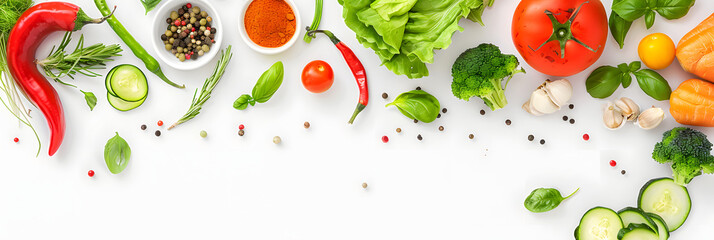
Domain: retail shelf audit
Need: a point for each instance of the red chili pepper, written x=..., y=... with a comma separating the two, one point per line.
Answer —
x=30, y=30
x=356, y=67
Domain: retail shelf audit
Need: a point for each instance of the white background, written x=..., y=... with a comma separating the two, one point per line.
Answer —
x=180, y=186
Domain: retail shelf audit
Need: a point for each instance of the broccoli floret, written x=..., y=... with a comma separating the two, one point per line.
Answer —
x=480, y=71
x=688, y=150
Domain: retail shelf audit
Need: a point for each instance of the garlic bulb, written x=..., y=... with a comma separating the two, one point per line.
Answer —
x=628, y=108
x=650, y=118
x=549, y=97
x=612, y=117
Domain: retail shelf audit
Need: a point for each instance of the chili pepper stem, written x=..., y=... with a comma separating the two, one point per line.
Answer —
x=329, y=34
x=358, y=109
x=84, y=19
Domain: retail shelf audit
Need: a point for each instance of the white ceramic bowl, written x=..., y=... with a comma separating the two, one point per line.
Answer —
x=267, y=50
x=159, y=28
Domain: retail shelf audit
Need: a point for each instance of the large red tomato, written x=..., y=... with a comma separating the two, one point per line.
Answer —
x=560, y=37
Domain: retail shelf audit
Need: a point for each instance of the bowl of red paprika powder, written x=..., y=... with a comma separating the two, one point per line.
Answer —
x=269, y=26
x=161, y=22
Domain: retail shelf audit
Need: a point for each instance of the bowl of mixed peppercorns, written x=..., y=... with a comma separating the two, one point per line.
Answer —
x=187, y=34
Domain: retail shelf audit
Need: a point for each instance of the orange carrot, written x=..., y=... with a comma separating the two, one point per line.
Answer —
x=695, y=50
x=692, y=103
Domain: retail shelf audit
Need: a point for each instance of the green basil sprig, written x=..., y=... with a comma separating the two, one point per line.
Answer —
x=117, y=154
x=267, y=85
x=544, y=199
x=91, y=99
x=417, y=104
x=150, y=4
x=624, y=12
x=605, y=80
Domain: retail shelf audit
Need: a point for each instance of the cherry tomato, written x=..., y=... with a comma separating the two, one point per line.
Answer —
x=317, y=76
x=560, y=38
x=656, y=51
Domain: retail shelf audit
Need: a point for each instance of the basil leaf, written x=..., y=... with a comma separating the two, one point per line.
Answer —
x=417, y=104
x=619, y=27
x=268, y=83
x=242, y=102
x=649, y=19
x=623, y=68
x=603, y=81
x=117, y=154
x=653, y=84
x=630, y=10
x=626, y=79
x=634, y=66
x=544, y=199
x=149, y=5
x=673, y=9
x=91, y=99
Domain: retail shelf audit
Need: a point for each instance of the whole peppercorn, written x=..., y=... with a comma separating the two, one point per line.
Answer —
x=306, y=125
x=542, y=142
x=443, y=110
x=471, y=136
x=277, y=140
x=531, y=137
x=483, y=112
x=399, y=130
x=416, y=121
x=419, y=137
x=143, y=127
x=364, y=185
x=157, y=133
x=441, y=128
x=241, y=132
x=384, y=95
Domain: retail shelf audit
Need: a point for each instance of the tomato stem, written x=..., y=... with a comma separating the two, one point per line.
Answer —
x=562, y=32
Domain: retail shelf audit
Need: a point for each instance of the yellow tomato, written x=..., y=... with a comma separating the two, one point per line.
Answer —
x=656, y=51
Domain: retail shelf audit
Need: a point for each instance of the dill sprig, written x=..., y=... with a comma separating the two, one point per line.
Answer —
x=59, y=63
x=10, y=11
x=208, y=86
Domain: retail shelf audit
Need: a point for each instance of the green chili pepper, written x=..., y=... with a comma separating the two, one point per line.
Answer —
x=139, y=51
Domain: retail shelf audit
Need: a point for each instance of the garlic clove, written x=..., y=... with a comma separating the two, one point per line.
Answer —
x=628, y=108
x=540, y=102
x=527, y=106
x=650, y=118
x=559, y=91
x=612, y=117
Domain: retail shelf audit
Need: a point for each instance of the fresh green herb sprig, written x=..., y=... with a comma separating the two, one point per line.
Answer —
x=10, y=11
x=605, y=80
x=264, y=89
x=417, y=104
x=200, y=98
x=544, y=199
x=624, y=12
x=150, y=5
x=82, y=60
x=315, y=21
x=117, y=154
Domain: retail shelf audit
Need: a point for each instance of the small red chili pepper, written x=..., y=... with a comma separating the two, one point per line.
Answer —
x=385, y=139
x=613, y=163
x=16, y=140
x=586, y=137
x=90, y=173
x=241, y=127
x=29, y=32
x=355, y=66
x=160, y=123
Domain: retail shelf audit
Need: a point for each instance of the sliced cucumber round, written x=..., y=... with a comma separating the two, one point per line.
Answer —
x=667, y=199
x=599, y=223
x=631, y=215
x=662, y=229
x=637, y=232
x=121, y=105
x=107, y=81
x=128, y=83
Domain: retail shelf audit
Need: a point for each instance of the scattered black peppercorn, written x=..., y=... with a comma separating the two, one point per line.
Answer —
x=385, y=96
x=483, y=112
x=542, y=142
x=623, y=172
x=571, y=106
x=508, y=122
x=399, y=130
x=416, y=121
x=419, y=137
x=143, y=127
x=443, y=110
x=441, y=128
x=531, y=137
x=572, y=121
x=241, y=132
x=471, y=136
x=438, y=115
x=157, y=133
x=418, y=88
x=565, y=118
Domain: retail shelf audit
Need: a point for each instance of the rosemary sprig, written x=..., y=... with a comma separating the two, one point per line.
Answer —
x=208, y=86
x=81, y=61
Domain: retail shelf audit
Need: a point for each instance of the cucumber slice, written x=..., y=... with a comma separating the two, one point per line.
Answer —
x=599, y=223
x=667, y=199
x=128, y=83
x=631, y=215
x=121, y=105
x=107, y=80
x=662, y=229
x=637, y=232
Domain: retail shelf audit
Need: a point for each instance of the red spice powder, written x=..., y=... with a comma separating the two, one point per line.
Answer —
x=269, y=23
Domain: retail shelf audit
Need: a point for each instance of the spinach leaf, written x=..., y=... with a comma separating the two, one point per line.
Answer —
x=417, y=104
x=117, y=154
x=603, y=82
x=268, y=83
x=150, y=4
x=544, y=199
x=653, y=84
x=91, y=99
x=674, y=9
x=630, y=10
